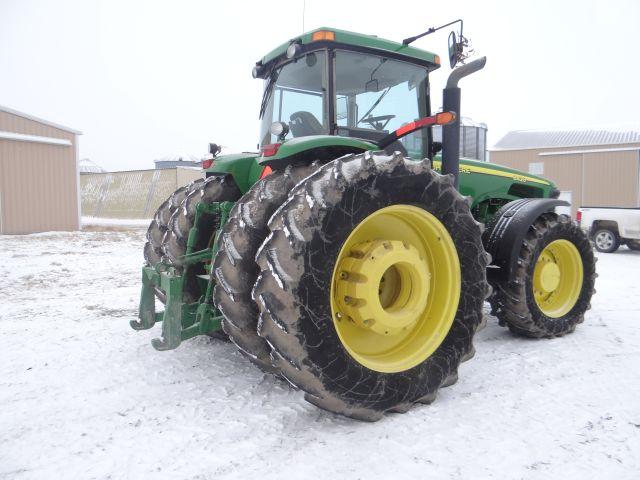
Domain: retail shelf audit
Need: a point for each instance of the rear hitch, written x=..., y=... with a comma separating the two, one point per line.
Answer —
x=181, y=321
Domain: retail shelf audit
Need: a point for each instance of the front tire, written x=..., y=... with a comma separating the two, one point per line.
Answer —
x=553, y=282
x=296, y=287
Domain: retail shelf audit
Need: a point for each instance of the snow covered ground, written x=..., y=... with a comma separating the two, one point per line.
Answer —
x=83, y=396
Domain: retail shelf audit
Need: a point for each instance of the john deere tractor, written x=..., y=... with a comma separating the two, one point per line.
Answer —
x=349, y=256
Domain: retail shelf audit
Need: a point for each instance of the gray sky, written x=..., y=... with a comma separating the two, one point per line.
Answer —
x=143, y=79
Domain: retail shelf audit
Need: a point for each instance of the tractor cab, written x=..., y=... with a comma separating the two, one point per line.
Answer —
x=332, y=82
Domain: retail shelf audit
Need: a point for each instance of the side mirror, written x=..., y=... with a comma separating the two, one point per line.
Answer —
x=453, y=49
x=214, y=149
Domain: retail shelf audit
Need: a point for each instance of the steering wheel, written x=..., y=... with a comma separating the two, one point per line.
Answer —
x=376, y=122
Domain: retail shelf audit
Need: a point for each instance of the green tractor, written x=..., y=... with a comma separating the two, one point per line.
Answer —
x=349, y=257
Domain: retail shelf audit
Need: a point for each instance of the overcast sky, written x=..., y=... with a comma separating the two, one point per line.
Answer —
x=145, y=79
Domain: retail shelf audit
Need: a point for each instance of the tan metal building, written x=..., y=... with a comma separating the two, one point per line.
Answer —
x=597, y=167
x=38, y=175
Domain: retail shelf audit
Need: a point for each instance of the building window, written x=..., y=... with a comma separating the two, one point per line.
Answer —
x=536, y=168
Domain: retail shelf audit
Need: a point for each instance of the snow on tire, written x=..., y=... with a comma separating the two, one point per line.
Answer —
x=297, y=262
x=160, y=222
x=235, y=267
x=216, y=188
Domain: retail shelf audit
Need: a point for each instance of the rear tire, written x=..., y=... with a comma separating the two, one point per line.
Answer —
x=235, y=267
x=217, y=188
x=297, y=264
x=633, y=244
x=514, y=300
x=160, y=222
x=606, y=241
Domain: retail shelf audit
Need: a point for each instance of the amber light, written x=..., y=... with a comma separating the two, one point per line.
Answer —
x=444, y=118
x=323, y=35
x=266, y=171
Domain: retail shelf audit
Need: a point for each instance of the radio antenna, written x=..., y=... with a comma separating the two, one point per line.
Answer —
x=304, y=7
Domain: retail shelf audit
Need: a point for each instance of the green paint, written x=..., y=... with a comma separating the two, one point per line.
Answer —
x=181, y=321
x=381, y=45
x=296, y=146
x=243, y=167
x=491, y=186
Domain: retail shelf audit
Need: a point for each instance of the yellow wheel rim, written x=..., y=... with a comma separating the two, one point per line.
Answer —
x=557, y=278
x=395, y=288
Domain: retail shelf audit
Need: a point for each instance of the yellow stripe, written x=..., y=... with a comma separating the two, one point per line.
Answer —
x=437, y=165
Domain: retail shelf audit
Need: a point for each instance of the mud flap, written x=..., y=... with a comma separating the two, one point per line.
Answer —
x=506, y=231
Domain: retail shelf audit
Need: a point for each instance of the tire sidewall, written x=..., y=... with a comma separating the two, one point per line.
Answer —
x=573, y=234
x=339, y=371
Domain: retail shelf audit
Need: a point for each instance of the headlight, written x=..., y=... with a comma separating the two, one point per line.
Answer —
x=293, y=50
x=258, y=70
x=279, y=129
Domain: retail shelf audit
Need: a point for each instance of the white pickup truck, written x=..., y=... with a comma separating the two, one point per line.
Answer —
x=610, y=227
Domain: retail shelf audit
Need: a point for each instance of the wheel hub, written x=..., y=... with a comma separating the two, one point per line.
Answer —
x=395, y=288
x=383, y=286
x=547, y=277
x=557, y=278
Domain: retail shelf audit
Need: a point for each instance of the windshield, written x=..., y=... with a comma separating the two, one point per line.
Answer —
x=295, y=94
x=376, y=95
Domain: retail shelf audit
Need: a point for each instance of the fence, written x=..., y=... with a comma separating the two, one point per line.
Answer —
x=131, y=194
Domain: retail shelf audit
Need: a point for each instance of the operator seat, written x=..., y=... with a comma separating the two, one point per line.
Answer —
x=305, y=123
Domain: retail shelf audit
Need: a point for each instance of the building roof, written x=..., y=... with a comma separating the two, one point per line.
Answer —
x=530, y=139
x=179, y=157
x=39, y=120
x=87, y=166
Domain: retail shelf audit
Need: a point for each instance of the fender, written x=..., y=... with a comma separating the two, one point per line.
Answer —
x=506, y=231
x=243, y=167
x=315, y=147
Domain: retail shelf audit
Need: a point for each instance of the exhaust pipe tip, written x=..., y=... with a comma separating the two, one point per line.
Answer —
x=459, y=73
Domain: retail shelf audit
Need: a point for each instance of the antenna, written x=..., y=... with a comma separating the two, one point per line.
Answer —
x=304, y=7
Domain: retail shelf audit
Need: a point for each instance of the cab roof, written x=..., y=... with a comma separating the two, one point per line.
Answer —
x=371, y=42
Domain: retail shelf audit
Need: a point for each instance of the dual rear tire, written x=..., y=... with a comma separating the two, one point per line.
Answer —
x=346, y=357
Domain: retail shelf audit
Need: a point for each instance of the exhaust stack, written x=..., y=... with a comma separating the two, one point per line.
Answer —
x=451, y=103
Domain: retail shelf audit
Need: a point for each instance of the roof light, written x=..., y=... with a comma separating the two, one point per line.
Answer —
x=436, y=59
x=323, y=35
x=293, y=50
x=207, y=163
x=258, y=70
x=279, y=129
x=270, y=150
